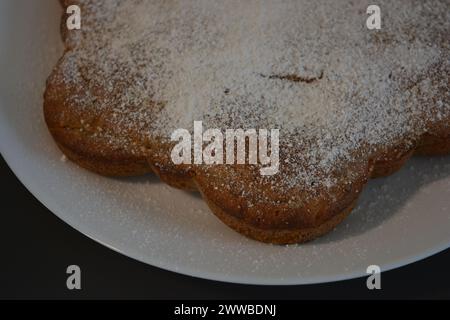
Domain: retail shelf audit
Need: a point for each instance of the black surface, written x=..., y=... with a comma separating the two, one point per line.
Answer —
x=37, y=247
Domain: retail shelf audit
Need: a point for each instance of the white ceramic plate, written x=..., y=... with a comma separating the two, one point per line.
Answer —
x=399, y=220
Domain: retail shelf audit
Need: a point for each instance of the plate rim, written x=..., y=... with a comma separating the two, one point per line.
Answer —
x=186, y=271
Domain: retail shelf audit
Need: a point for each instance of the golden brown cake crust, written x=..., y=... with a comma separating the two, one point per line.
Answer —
x=265, y=209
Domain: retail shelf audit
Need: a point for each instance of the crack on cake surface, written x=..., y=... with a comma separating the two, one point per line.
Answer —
x=295, y=78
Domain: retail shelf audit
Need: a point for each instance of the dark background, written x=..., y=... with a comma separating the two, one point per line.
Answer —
x=37, y=247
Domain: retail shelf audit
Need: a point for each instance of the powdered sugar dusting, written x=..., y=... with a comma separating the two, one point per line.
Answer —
x=311, y=69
